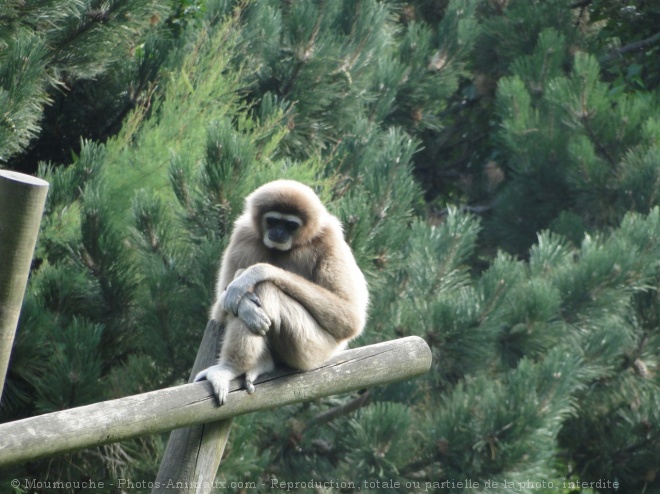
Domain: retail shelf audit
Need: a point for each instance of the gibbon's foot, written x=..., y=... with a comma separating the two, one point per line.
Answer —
x=219, y=377
x=264, y=365
x=249, y=386
x=251, y=313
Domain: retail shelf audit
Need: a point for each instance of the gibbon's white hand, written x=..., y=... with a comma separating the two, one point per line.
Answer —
x=240, y=287
x=251, y=313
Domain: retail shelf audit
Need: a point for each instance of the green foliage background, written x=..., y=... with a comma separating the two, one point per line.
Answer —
x=495, y=164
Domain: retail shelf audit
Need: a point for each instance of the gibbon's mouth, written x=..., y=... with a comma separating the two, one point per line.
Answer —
x=283, y=246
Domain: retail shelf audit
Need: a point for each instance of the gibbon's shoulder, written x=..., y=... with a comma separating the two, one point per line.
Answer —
x=244, y=229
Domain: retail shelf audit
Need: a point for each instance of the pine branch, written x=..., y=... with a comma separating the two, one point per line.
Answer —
x=632, y=47
x=478, y=209
x=594, y=138
x=580, y=4
x=363, y=399
x=304, y=58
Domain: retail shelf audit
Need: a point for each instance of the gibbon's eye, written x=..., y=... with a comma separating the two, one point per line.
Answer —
x=291, y=226
x=286, y=224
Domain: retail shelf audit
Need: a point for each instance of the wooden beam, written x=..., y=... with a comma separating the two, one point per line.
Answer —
x=22, y=199
x=190, y=404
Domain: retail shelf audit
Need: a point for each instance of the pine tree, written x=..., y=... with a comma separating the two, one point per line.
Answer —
x=55, y=60
x=598, y=162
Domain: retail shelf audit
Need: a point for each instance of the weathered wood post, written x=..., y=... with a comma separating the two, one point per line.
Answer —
x=22, y=200
x=194, y=453
x=193, y=404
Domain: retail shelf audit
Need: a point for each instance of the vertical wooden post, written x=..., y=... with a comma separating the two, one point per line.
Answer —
x=193, y=455
x=22, y=200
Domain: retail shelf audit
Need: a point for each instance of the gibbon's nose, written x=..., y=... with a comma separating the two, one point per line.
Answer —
x=278, y=235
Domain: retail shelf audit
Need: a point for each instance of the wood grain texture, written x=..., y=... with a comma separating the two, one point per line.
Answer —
x=22, y=199
x=192, y=404
x=192, y=455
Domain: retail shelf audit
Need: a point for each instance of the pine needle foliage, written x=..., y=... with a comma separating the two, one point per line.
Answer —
x=48, y=49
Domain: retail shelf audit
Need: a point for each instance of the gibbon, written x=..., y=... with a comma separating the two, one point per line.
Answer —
x=288, y=290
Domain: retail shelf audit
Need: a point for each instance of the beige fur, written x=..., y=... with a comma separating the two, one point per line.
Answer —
x=310, y=300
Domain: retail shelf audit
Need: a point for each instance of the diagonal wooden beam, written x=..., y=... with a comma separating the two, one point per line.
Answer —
x=190, y=404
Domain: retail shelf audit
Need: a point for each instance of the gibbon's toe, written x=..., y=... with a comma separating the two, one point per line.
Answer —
x=201, y=376
x=219, y=380
x=220, y=389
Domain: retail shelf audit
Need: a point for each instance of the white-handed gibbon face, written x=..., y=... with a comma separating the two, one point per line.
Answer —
x=280, y=230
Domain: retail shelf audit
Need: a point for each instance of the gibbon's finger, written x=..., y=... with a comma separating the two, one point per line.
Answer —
x=253, y=316
x=241, y=285
x=234, y=294
x=253, y=298
x=220, y=389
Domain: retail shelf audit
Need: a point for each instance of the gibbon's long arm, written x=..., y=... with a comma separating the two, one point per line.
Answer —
x=341, y=318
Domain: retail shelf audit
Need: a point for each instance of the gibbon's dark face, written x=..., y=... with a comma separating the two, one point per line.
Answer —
x=280, y=230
